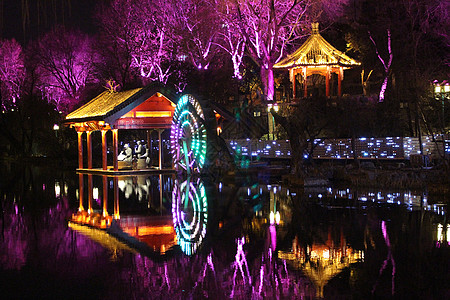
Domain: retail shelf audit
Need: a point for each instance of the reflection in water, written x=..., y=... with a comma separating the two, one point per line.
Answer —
x=331, y=246
x=442, y=236
x=190, y=213
x=388, y=259
x=150, y=234
x=321, y=261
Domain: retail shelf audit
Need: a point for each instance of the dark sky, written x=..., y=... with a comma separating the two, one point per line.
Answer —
x=38, y=16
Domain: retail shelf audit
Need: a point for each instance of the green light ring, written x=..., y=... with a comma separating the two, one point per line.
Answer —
x=198, y=138
x=190, y=235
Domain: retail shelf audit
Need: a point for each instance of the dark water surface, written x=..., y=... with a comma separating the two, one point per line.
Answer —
x=247, y=240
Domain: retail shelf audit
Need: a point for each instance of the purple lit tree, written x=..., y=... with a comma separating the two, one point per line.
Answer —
x=12, y=73
x=268, y=26
x=196, y=26
x=386, y=64
x=139, y=36
x=230, y=40
x=65, y=65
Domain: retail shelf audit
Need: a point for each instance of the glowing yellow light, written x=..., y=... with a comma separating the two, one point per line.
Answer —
x=326, y=254
x=272, y=218
x=275, y=107
x=57, y=189
x=153, y=114
x=95, y=193
x=148, y=230
x=437, y=89
x=277, y=218
x=447, y=88
x=439, y=233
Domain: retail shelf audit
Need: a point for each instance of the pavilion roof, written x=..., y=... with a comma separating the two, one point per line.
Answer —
x=111, y=105
x=101, y=105
x=316, y=51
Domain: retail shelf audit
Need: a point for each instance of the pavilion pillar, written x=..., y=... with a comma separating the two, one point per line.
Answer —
x=340, y=77
x=105, y=196
x=81, y=191
x=116, y=198
x=305, y=83
x=327, y=82
x=161, y=193
x=149, y=137
x=90, y=193
x=104, y=154
x=115, y=133
x=80, y=149
x=89, y=148
x=292, y=74
x=159, y=149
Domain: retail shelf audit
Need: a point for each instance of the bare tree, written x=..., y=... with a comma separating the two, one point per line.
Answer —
x=268, y=26
x=386, y=65
x=12, y=73
x=196, y=26
x=65, y=65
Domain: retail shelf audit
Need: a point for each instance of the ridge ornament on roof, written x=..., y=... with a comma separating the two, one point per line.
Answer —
x=316, y=56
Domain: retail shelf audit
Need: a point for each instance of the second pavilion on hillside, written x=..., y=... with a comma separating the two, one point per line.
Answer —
x=316, y=56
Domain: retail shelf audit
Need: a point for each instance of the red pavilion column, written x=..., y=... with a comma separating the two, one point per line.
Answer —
x=80, y=149
x=115, y=149
x=305, y=83
x=340, y=77
x=327, y=82
x=89, y=149
x=104, y=155
x=160, y=148
x=105, y=196
x=116, y=198
x=292, y=74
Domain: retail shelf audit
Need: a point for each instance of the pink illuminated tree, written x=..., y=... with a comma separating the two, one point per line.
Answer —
x=139, y=36
x=386, y=64
x=232, y=41
x=12, y=73
x=268, y=26
x=65, y=65
x=196, y=25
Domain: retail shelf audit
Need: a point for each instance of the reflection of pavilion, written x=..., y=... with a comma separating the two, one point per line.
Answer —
x=186, y=226
x=145, y=234
x=321, y=262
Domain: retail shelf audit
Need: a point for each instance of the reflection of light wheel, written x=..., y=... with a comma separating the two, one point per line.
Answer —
x=188, y=135
x=190, y=214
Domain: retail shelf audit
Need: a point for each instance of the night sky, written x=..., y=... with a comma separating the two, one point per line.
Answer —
x=44, y=15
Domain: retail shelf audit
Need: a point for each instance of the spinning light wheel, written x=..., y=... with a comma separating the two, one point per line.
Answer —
x=190, y=214
x=188, y=135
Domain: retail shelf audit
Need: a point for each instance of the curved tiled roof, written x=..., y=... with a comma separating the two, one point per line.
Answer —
x=316, y=51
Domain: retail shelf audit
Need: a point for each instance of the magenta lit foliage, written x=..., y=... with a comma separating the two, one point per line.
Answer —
x=12, y=73
x=65, y=67
x=139, y=30
x=268, y=27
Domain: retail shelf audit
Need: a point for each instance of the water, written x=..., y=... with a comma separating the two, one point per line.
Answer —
x=247, y=240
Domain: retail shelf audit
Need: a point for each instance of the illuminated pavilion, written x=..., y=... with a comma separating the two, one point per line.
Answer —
x=320, y=262
x=148, y=108
x=316, y=56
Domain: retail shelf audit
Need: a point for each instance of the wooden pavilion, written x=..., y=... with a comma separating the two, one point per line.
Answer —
x=316, y=56
x=148, y=108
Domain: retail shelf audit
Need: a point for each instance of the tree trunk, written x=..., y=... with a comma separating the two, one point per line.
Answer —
x=267, y=80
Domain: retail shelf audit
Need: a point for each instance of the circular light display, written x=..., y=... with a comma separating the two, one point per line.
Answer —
x=188, y=135
x=190, y=214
